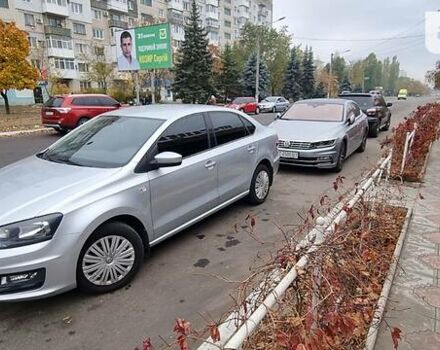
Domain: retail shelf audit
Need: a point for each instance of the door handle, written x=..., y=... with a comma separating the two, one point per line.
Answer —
x=210, y=164
x=251, y=149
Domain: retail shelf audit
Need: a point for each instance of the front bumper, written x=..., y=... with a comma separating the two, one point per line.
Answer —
x=324, y=158
x=57, y=257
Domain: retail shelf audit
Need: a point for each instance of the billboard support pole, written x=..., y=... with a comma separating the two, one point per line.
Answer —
x=153, y=87
x=136, y=75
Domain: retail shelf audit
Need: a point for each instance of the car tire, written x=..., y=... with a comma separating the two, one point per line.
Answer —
x=374, y=132
x=341, y=158
x=257, y=110
x=363, y=145
x=62, y=131
x=242, y=110
x=96, y=255
x=388, y=124
x=260, y=185
x=82, y=121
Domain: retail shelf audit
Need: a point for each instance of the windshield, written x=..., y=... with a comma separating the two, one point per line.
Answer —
x=364, y=102
x=104, y=142
x=315, y=111
x=54, y=102
x=270, y=99
x=241, y=100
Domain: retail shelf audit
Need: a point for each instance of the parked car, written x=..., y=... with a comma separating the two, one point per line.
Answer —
x=64, y=113
x=244, y=104
x=375, y=107
x=376, y=92
x=403, y=94
x=85, y=211
x=321, y=133
x=273, y=104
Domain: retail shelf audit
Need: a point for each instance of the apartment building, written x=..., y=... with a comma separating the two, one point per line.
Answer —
x=66, y=34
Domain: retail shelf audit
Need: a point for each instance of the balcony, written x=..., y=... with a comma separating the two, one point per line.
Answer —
x=55, y=7
x=117, y=23
x=244, y=15
x=99, y=4
x=212, y=2
x=212, y=16
x=117, y=5
x=56, y=52
x=244, y=3
x=49, y=30
x=68, y=73
x=212, y=25
x=175, y=17
x=176, y=5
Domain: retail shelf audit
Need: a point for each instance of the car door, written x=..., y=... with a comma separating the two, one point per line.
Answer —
x=358, y=125
x=182, y=193
x=237, y=153
x=351, y=131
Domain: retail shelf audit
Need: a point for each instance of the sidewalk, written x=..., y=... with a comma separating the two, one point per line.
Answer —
x=414, y=301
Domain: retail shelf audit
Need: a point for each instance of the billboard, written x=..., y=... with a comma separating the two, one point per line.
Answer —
x=144, y=48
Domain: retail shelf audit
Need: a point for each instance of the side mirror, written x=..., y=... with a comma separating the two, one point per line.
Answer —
x=351, y=119
x=278, y=116
x=389, y=104
x=167, y=159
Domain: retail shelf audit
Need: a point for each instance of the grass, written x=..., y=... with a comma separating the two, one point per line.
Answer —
x=21, y=118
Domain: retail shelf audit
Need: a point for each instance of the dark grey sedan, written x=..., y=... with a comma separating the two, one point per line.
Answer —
x=321, y=133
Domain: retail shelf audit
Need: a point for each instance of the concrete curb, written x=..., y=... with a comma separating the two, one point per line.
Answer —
x=26, y=132
x=380, y=309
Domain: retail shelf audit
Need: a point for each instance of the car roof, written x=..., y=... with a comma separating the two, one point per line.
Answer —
x=356, y=94
x=167, y=111
x=339, y=101
x=82, y=95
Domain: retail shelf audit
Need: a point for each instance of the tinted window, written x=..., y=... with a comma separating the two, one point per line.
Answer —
x=54, y=102
x=357, y=110
x=86, y=101
x=227, y=126
x=241, y=100
x=104, y=142
x=107, y=101
x=186, y=136
x=249, y=126
x=364, y=102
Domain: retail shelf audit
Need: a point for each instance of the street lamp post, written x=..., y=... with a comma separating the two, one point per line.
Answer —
x=331, y=72
x=257, y=78
x=363, y=81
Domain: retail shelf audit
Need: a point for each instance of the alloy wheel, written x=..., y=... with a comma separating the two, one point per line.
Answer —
x=262, y=184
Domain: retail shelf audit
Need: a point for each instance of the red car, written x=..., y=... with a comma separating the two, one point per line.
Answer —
x=245, y=104
x=65, y=113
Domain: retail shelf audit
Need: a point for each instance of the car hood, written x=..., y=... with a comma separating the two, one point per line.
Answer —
x=32, y=187
x=306, y=131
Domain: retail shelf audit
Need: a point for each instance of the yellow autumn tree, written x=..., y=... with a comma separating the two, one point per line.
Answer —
x=15, y=70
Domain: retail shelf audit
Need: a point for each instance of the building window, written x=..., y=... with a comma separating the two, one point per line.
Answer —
x=228, y=24
x=79, y=28
x=57, y=2
x=36, y=63
x=64, y=63
x=147, y=2
x=98, y=33
x=97, y=14
x=32, y=42
x=76, y=8
x=81, y=48
x=83, y=67
x=99, y=51
x=130, y=5
x=186, y=6
x=227, y=11
x=161, y=13
x=85, y=85
x=54, y=22
x=227, y=36
x=59, y=42
x=4, y=4
x=146, y=18
x=29, y=20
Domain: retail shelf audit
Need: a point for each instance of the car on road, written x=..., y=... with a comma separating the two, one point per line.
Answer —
x=321, y=133
x=403, y=94
x=273, y=104
x=85, y=211
x=244, y=104
x=64, y=113
x=375, y=107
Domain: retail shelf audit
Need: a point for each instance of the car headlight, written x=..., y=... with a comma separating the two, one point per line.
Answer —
x=29, y=231
x=324, y=144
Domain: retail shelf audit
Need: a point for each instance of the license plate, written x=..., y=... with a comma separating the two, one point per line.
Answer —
x=289, y=154
x=49, y=113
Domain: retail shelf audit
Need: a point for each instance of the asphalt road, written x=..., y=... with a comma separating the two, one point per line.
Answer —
x=181, y=278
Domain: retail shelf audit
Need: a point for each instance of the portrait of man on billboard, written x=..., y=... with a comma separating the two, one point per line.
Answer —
x=127, y=52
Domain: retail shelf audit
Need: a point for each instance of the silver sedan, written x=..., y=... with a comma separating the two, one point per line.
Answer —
x=85, y=211
x=273, y=104
x=321, y=133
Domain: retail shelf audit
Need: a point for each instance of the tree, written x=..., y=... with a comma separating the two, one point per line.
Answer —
x=193, y=71
x=100, y=71
x=320, y=90
x=308, y=76
x=249, y=74
x=433, y=76
x=292, y=79
x=345, y=85
x=15, y=70
x=228, y=77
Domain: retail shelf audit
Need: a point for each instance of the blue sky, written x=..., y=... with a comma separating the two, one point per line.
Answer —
x=356, y=21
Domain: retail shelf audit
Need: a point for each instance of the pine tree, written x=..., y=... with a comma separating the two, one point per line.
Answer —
x=308, y=76
x=193, y=70
x=228, y=78
x=345, y=85
x=249, y=74
x=320, y=91
x=292, y=79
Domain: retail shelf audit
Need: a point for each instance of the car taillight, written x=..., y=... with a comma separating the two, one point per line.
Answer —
x=371, y=111
x=63, y=110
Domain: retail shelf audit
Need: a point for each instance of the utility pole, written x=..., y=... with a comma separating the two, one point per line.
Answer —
x=257, y=78
x=330, y=76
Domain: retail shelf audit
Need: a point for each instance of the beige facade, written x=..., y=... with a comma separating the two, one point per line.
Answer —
x=65, y=36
